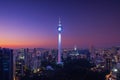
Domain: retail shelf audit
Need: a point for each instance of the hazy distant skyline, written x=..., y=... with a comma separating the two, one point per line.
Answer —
x=33, y=23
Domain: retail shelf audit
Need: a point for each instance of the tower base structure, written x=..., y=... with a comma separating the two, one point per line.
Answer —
x=61, y=64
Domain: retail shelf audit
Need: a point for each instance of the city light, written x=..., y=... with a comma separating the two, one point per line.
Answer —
x=115, y=70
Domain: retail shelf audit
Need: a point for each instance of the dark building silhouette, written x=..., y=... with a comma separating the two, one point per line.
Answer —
x=6, y=64
x=118, y=74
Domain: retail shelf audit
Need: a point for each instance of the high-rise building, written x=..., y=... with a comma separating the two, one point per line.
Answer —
x=6, y=64
x=1, y=66
x=59, y=41
x=118, y=74
x=108, y=63
x=20, y=62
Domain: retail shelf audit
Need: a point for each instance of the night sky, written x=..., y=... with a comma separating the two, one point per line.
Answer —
x=33, y=23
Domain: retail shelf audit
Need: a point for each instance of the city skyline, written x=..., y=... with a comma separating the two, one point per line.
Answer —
x=34, y=23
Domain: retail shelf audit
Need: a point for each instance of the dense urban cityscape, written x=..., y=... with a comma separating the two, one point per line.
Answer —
x=59, y=40
x=40, y=64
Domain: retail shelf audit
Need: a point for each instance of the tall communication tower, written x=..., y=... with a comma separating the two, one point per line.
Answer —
x=59, y=42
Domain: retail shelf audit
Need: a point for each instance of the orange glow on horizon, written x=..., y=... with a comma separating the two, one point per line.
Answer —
x=26, y=44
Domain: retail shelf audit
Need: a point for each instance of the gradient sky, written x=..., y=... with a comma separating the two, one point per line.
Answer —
x=33, y=23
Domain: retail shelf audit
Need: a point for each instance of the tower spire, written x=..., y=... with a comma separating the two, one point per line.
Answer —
x=59, y=22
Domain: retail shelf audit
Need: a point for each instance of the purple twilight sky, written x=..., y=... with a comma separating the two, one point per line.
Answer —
x=33, y=23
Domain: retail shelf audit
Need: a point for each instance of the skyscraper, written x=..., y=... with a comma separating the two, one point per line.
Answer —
x=6, y=64
x=59, y=42
x=108, y=63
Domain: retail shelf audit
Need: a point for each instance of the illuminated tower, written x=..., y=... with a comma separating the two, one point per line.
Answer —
x=59, y=42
